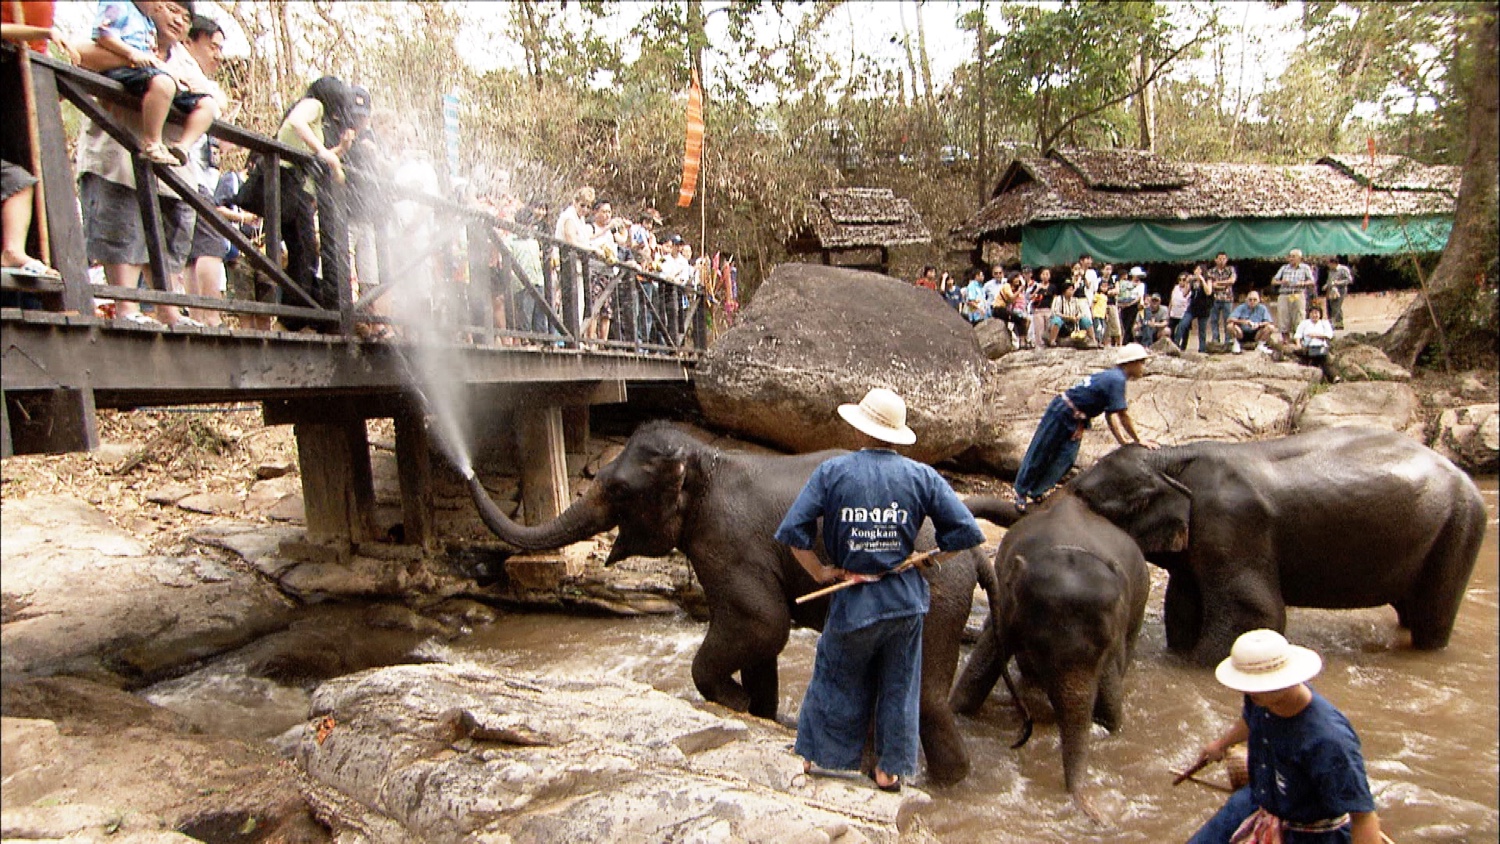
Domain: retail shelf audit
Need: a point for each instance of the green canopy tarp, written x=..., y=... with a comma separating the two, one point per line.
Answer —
x=1174, y=241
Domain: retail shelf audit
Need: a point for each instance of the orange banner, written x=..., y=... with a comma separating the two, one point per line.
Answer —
x=692, y=157
x=1369, y=188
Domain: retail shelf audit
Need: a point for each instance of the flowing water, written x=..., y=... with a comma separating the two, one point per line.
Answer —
x=1429, y=722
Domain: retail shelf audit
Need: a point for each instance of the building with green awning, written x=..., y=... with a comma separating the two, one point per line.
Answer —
x=1131, y=206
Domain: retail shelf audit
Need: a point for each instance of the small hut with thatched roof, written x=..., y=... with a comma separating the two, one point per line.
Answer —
x=856, y=228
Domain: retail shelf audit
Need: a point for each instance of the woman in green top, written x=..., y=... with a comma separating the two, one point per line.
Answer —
x=320, y=123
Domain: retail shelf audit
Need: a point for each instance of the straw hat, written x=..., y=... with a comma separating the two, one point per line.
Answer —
x=882, y=415
x=1131, y=353
x=1264, y=661
x=1138, y=272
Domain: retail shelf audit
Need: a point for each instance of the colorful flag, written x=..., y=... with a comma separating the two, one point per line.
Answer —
x=693, y=156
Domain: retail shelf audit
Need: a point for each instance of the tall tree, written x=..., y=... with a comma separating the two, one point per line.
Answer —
x=1459, y=298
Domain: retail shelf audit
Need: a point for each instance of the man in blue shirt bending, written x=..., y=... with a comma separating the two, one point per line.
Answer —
x=1307, y=772
x=1054, y=446
x=869, y=658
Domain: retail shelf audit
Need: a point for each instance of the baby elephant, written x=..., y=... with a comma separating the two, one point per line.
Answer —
x=1068, y=603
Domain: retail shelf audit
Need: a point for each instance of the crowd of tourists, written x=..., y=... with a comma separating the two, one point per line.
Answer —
x=364, y=179
x=1076, y=305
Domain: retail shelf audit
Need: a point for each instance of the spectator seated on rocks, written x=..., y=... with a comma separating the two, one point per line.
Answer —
x=1152, y=322
x=1070, y=314
x=125, y=50
x=1312, y=339
x=1011, y=305
x=1251, y=320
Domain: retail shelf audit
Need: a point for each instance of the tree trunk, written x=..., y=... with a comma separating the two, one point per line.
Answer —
x=926, y=64
x=1145, y=104
x=1471, y=247
x=983, y=143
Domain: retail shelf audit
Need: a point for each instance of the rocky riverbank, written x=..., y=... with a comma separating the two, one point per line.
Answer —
x=176, y=543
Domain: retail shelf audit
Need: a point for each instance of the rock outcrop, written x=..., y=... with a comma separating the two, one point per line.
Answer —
x=1470, y=437
x=448, y=753
x=816, y=337
x=1384, y=404
x=1182, y=398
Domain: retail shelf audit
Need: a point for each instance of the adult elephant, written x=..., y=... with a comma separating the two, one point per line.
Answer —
x=1068, y=605
x=1338, y=518
x=668, y=490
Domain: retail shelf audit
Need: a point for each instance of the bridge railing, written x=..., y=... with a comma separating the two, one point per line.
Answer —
x=574, y=286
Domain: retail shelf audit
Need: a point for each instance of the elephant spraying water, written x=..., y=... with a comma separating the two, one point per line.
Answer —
x=721, y=508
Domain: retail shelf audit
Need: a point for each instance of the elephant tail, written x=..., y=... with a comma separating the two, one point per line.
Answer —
x=1026, y=721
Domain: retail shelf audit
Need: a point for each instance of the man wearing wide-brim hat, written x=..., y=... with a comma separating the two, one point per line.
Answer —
x=868, y=665
x=1054, y=446
x=1307, y=773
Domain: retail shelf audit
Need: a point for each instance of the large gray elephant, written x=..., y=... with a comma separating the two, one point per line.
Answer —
x=1068, y=605
x=1338, y=518
x=668, y=490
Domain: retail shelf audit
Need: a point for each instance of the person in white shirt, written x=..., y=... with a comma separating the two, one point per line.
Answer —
x=1311, y=341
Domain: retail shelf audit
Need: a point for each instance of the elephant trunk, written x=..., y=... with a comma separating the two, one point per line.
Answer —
x=1074, y=700
x=583, y=518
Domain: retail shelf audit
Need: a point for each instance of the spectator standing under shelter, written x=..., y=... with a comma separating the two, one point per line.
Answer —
x=1182, y=294
x=1130, y=297
x=1200, y=303
x=1294, y=286
x=1336, y=288
x=1221, y=278
x=866, y=680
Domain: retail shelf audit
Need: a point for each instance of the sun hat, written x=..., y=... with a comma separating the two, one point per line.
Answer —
x=1264, y=661
x=1131, y=353
x=1137, y=271
x=882, y=415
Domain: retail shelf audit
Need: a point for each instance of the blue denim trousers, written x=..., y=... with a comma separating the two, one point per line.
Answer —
x=1051, y=453
x=1180, y=337
x=874, y=672
x=1218, y=318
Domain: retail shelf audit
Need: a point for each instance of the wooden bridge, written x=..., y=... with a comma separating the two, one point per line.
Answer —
x=63, y=359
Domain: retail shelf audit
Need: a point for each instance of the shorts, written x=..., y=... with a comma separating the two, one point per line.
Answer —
x=13, y=180
x=207, y=243
x=112, y=228
x=135, y=81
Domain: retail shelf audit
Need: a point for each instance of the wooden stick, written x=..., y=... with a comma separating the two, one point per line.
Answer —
x=910, y=562
x=1188, y=774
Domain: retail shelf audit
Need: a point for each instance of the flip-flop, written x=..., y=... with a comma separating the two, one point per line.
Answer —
x=894, y=787
x=36, y=269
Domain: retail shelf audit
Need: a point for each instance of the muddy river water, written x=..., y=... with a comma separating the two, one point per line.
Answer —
x=1429, y=722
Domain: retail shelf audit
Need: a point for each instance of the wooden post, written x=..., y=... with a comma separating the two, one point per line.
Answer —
x=414, y=468
x=575, y=421
x=338, y=488
x=64, y=224
x=544, y=464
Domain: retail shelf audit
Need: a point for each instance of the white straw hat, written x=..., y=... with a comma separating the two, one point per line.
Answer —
x=1131, y=353
x=1137, y=271
x=1264, y=661
x=882, y=415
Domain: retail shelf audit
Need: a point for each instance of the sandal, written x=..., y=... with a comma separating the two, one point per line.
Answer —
x=892, y=787
x=36, y=269
x=178, y=153
x=159, y=153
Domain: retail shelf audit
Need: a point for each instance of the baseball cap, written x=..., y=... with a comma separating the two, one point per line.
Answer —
x=359, y=100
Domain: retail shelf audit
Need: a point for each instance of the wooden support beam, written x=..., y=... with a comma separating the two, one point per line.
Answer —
x=55, y=421
x=338, y=487
x=64, y=223
x=414, y=469
x=544, y=465
x=575, y=420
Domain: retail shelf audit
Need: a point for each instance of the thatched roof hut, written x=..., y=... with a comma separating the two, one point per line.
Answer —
x=856, y=227
x=1133, y=206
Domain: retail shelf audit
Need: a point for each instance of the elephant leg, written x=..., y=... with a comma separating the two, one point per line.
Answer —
x=980, y=673
x=1431, y=608
x=741, y=641
x=943, y=745
x=1110, y=705
x=1249, y=601
x=763, y=687
x=1182, y=610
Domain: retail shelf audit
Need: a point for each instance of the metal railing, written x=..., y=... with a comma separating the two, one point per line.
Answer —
x=651, y=313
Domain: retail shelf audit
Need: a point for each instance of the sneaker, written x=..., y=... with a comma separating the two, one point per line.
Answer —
x=1263, y=348
x=1236, y=348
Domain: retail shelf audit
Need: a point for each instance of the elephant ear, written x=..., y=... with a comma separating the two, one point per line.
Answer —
x=1162, y=523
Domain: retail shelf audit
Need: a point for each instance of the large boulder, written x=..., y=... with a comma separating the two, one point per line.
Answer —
x=1352, y=360
x=83, y=597
x=816, y=337
x=1384, y=404
x=1470, y=437
x=448, y=753
x=1182, y=398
